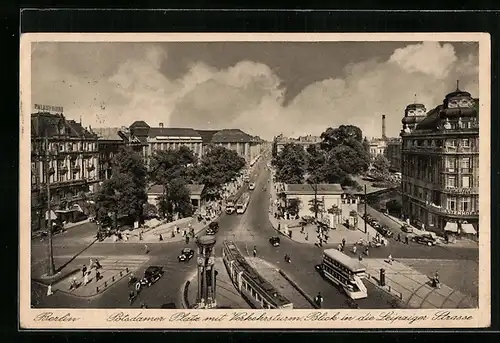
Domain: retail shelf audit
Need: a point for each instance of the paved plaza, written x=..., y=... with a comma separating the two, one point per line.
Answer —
x=414, y=288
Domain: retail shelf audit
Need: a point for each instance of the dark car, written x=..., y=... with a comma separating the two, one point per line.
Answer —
x=213, y=227
x=186, y=255
x=151, y=275
x=425, y=240
x=406, y=228
x=384, y=231
x=275, y=241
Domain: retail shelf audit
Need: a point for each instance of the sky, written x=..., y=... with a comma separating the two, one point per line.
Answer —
x=262, y=88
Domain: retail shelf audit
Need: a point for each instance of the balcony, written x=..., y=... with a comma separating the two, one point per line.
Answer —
x=451, y=170
x=466, y=170
x=460, y=191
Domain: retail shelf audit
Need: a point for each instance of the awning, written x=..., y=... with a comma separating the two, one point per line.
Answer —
x=451, y=227
x=53, y=216
x=468, y=228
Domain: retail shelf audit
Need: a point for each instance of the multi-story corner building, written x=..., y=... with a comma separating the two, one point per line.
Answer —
x=393, y=154
x=63, y=154
x=109, y=142
x=440, y=165
x=304, y=141
x=161, y=138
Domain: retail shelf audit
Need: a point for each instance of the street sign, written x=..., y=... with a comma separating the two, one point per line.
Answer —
x=47, y=108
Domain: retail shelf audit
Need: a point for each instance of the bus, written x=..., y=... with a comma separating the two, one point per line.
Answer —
x=241, y=205
x=345, y=272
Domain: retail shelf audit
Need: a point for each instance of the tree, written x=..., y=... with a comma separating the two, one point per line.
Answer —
x=293, y=206
x=291, y=164
x=381, y=164
x=219, y=166
x=316, y=206
x=124, y=194
x=176, y=200
x=347, y=143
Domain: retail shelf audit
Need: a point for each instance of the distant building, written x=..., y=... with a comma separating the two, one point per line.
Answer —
x=195, y=191
x=69, y=163
x=377, y=147
x=304, y=141
x=327, y=195
x=162, y=138
x=440, y=165
x=393, y=154
x=109, y=142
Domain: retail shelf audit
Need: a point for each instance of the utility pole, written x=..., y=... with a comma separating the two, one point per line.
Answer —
x=366, y=227
x=50, y=263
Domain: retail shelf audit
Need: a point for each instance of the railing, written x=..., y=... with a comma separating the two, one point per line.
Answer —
x=453, y=212
x=460, y=191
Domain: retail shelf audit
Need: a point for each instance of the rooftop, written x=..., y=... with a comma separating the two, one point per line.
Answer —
x=353, y=264
x=173, y=132
x=193, y=189
x=108, y=133
x=231, y=136
x=207, y=135
x=49, y=124
x=308, y=189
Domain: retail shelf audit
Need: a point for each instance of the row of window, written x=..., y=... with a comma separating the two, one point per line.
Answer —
x=450, y=143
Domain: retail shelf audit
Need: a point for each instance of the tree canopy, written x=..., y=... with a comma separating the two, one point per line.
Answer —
x=291, y=164
x=219, y=166
x=381, y=164
x=125, y=192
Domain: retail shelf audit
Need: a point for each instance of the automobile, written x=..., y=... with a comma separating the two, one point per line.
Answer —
x=275, y=241
x=407, y=229
x=319, y=269
x=213, y=227
x=186, y=255
x=251, y=186
x=151, y=275
x=230, y=210
x=375, y=224
x=384, y=231
x=425, y=240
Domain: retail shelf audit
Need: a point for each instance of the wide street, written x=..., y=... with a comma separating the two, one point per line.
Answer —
x=253, y=228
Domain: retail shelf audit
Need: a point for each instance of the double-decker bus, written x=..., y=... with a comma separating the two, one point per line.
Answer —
x=241, y=205
x=345, y=272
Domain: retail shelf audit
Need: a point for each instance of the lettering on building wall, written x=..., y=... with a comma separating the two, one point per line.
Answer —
x=48, y=108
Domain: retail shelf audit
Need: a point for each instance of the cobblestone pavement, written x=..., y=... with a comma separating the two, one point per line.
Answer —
x=414, y=288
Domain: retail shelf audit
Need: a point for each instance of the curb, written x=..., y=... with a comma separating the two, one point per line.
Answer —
x=298, y=288
x=185, y=298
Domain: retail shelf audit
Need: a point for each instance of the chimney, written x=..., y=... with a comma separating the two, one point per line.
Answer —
x=161, y=125
x=383, y=127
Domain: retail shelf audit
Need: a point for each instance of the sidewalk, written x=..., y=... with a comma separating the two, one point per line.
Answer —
x=114, y=269
x=227, y=295
x=413, y=288
x=335, y=235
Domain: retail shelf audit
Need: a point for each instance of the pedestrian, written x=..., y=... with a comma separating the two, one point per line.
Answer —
x=91, y=264
x=254, y=251
x=86, y=279
x=360, y=258
x=178, y=229
x=143, y=305
x=354, y=249
x=161, y=237
x=307, y=236
x=407, y=240
x=343, y=241
x=146, y=249
x=399, y=237
x=187, y=239
x=72, y=285
x=97, y=275
x=131, y=296
x=183, y=233
x=173, y=234
x=97, y=264
x=389, y=260
x=49, y=290
x=319, y=300
x=339, y=247
x=84, y=270
x=140, y=236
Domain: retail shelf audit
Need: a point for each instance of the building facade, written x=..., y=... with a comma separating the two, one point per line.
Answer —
x=304, y=141
x=440, y=165
x=377, y=147
x=162, y=138
x=65, y=155
x=393, y=154
x=109, y=143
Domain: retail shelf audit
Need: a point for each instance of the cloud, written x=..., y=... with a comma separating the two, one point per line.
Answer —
x=114, y=84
